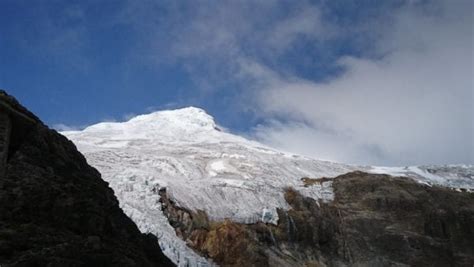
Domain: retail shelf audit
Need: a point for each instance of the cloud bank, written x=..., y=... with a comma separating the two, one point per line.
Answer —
x=412, y=105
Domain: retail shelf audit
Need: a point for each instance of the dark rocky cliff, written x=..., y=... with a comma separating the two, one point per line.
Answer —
x=55, y=210
x=374, y=220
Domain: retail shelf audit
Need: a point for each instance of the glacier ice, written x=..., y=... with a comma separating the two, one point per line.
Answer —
x=205, y=168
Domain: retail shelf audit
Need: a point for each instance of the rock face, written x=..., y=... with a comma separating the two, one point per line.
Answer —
x=374, y=220
x=55, y=209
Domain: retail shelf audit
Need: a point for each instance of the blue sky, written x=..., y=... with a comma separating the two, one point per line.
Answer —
x=373, y=82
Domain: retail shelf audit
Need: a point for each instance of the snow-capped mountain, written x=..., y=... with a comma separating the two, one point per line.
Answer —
x=205, y=168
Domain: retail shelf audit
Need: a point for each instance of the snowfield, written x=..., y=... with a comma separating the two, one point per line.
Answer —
x=205, y=168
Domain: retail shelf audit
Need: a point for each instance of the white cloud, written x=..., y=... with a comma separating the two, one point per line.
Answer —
x=414, y=105
x=215, y=40
x=63, y=127
x=316, y=142
x=305, y=22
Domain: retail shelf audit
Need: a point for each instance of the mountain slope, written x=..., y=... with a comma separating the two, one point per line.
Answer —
x=55, y=209
x=374, y=220
x=182, y=159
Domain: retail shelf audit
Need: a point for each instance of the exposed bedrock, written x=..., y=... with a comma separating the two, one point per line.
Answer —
x=374, y=220
x=55, y=210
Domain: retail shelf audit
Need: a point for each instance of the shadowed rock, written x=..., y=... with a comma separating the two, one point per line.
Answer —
x=56, y=210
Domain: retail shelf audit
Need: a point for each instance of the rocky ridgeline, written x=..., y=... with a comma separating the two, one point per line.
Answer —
x=55, y=209
x=374, y=220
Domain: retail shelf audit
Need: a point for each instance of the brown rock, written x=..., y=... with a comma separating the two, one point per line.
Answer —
x=374, y=220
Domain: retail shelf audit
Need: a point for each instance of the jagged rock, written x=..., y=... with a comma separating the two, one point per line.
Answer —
x=312, y=181
x=56, y=210
x=374, y=220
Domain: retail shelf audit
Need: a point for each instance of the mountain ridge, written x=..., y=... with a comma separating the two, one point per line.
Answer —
x=55, y=208
x=207, y=170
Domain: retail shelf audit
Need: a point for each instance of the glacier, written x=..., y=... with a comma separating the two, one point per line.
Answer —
x=205, y=168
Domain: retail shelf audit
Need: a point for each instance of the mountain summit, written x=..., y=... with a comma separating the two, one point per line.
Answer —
x=184, y=124
x=194, y=186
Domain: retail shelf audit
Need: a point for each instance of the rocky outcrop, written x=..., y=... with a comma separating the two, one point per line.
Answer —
x=374, y=220
x=226, y=243
x=312, y=181
x=55, y=209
